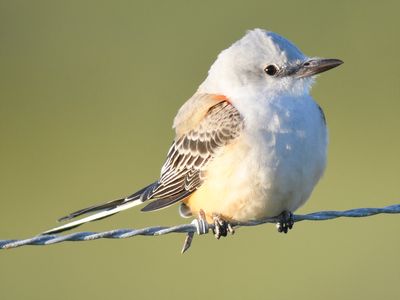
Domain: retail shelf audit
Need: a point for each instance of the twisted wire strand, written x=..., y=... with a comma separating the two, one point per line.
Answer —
x=197, y=226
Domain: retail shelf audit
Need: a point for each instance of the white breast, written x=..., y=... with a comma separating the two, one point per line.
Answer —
x=273, y=166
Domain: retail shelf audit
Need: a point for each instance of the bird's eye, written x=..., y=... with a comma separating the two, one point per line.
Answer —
x=271, y=70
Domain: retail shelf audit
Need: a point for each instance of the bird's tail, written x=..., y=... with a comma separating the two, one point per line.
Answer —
x=103, y=210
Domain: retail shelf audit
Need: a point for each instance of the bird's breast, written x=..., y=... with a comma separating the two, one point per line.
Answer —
x=272, y=166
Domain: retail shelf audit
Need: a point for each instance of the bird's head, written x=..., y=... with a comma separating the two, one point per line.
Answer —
x=264, y=61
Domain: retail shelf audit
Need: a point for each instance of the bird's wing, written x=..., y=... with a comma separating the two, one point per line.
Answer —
x=204, y=124
x=202, y=131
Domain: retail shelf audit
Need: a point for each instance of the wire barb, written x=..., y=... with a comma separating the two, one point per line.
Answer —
x=199, y=226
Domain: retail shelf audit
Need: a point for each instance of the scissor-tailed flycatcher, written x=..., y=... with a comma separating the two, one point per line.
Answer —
x=251, y=142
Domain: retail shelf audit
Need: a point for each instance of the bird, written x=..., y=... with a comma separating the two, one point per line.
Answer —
x=251, y=142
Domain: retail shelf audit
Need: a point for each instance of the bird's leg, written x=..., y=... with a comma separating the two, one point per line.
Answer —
x=285, y=222
x=221, y=227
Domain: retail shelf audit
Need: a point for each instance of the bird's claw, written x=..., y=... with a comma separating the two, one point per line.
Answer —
x=221, y=227
x=286, y=221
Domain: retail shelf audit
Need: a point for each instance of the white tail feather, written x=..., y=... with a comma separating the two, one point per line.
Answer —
x=94, y=217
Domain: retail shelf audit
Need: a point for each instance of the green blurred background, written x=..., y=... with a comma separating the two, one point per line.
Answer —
x=88, y=91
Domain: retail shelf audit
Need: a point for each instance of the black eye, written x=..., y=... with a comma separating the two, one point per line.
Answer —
x=271, y=70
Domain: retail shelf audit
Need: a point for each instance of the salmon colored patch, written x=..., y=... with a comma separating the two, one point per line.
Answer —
x=221, y=98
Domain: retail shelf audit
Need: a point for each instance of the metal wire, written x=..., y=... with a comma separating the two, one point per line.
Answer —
x=197, y=226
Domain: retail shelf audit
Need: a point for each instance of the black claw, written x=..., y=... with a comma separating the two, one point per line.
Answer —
x=286, y=222
x=221, y=227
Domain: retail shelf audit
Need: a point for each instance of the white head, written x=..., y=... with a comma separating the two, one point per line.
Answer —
x=263, y=61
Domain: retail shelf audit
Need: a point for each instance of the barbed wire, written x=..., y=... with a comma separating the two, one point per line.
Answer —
x=198, y=226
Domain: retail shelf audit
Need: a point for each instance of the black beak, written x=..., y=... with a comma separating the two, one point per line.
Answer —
x=315, y=66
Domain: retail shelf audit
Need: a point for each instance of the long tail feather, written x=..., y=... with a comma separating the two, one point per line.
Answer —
x=103, y=210
x=94, y=208
x=97, y=216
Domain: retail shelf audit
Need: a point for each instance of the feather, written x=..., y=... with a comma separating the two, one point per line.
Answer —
x=187, y=159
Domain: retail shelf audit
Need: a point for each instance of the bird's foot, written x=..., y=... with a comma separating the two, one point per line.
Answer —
x=221, y=227
x=286, y=221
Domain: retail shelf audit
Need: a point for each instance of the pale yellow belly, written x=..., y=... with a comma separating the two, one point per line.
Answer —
x=236, y=188
x=251, y=182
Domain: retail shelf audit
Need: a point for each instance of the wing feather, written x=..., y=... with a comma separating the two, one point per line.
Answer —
x=187, y=159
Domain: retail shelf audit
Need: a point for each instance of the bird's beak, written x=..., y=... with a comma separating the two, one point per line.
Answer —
x=315, y=66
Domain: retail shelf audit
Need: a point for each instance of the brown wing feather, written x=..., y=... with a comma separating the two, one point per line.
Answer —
x=187, y=159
